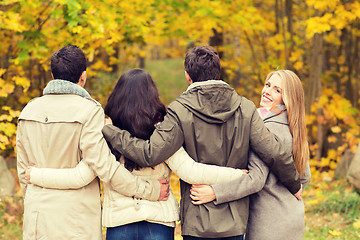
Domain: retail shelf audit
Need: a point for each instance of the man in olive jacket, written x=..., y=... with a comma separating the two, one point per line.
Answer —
x=216, y=126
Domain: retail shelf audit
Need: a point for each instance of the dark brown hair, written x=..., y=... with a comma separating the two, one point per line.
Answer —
x=202, y=64
x=134, y=105
x=68, y=63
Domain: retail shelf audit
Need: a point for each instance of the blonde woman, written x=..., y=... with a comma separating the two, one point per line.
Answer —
x=274, y=212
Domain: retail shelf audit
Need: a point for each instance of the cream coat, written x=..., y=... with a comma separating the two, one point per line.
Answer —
x=58, y=131
x=120, y=210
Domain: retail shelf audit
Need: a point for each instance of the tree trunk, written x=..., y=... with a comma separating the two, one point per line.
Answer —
x=237, y=55
x=284, y=34
x=253, y=53
x=316, y=88
x=141, y=58
x=217, y=40
x=349, y=62
x=356, y=72
x=277, y=27
x=289, y=14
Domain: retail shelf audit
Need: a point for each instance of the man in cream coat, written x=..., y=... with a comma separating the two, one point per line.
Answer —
x=58, y=130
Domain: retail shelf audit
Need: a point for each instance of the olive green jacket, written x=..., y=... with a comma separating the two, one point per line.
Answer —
x=216, y=126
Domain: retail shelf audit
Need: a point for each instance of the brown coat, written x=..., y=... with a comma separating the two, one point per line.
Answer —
x=57, y=131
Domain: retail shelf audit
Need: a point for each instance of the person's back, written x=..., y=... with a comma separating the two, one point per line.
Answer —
x=51, y=129
x=216, y=124
x=58, y=130
x=281, y=216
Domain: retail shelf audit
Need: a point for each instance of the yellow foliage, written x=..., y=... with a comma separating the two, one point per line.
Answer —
x=22, y=81
x=332, y=139
x=2, y=71
x=335, y=233
x=336, y=129
x=333, y=38
x=332, y=154
x=313, y=202
x=318, y=25
x=298, y=65
x=356, y=224
x=324, y=162
x=322, y=4
x=6, y=88
x=333, y=165
x=3, y=142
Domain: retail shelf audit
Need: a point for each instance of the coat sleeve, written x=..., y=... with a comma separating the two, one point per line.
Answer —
x=249, y=184
x=96, y=154
x=306, y=177
x=66, y=178
x=163, y=143
x=22, y=158
x=198, y=173
x=275, y=155
x=82, y=175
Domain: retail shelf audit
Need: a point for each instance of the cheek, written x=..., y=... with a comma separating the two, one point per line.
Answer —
x=279, y=99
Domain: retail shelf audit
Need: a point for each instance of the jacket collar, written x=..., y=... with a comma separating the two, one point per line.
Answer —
x=58, y=86
x=208, y=82
x=277, y=113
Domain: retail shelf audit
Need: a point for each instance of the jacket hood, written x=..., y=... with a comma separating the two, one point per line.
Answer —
x=213, y=101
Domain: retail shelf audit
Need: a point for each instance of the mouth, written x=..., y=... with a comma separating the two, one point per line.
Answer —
x=267, y=98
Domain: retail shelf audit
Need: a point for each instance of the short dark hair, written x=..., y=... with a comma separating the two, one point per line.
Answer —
x=134, y=105
x=202, y=63
x=68, y=63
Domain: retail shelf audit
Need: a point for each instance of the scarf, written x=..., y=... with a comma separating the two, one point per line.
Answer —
x=273, y=111
x=58, y=86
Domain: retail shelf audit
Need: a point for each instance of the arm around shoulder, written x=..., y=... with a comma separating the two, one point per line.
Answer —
x=166, y=139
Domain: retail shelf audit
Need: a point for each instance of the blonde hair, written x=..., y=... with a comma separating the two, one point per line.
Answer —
x=293, y=98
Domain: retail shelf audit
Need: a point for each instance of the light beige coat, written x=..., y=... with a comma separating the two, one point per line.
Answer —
x=58, y=131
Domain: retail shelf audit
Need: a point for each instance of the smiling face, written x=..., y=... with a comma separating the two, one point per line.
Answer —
x=271, y=95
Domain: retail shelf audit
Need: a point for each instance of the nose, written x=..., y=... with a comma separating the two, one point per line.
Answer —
x=266, y=91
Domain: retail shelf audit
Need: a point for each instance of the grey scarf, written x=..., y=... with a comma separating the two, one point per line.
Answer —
x=58, y=86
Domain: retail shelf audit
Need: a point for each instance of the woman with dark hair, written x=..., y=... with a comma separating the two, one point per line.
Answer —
x=134, y=105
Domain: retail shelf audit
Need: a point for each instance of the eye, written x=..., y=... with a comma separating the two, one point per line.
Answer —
x=267, y=84
x=277, y=90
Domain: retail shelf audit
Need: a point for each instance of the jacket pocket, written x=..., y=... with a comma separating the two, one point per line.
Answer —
x=33, y=229
x=40, y=228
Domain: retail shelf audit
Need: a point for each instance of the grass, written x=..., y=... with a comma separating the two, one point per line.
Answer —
x=169, y=77
x=11, y=209
x=332, y=211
